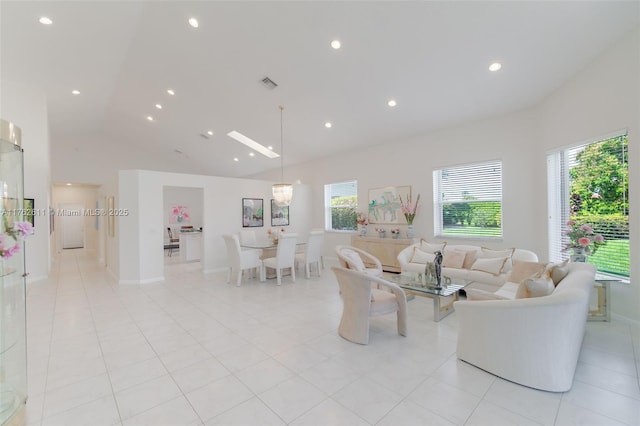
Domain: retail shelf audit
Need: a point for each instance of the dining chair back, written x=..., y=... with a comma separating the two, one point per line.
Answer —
x=313, y=252
x=285, y=256
x=241, y=260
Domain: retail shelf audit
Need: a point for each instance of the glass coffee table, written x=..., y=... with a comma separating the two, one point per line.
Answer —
x=443, y=298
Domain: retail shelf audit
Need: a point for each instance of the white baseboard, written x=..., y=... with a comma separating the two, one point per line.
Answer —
x=625, y=320
x=147, y=281
x=33, y=279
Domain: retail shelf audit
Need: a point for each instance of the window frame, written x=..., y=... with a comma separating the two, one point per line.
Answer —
x=328, y=217
x=439, y=226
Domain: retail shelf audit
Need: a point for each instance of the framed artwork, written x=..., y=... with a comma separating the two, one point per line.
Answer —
x=279, y=214
x=384, y=204
x=252, y=212
x=111, y=226
x=29, y=213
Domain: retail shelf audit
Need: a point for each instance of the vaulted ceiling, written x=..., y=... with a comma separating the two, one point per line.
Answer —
x=431, y=57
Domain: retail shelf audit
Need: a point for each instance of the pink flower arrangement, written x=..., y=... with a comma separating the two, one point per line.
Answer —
x=409, y=209
x=395, y=230
x=582, y=236
x=362, y=219
x=10, y=240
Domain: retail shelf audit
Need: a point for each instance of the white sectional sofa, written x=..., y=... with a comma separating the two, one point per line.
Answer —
x=483, y=277
x=532, y=341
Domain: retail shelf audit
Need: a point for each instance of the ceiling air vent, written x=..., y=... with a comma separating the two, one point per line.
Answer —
x=268, y=83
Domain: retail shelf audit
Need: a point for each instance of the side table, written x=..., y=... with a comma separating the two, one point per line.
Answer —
x=603, y=294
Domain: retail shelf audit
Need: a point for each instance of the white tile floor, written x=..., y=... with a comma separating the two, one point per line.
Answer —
x=194, y=350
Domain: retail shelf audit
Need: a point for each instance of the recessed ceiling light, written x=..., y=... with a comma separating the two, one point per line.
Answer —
x=336, y=44
x=236, y=159
x=251, y=154
x=392, y=103
x=252, y=144
x=270, y=147
x=171, y=92
x=45, y=20
x=150, y=118
x=158, y=106
x=210, y=132
x=194, y=22
x=328, y=125
x=69, y=184
x=75, y=92
x=495, y=66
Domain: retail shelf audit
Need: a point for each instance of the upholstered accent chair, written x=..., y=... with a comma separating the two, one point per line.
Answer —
x=241, y=260
x=312, y=253
x=362, y=301
x=359, y=260
x=285, y=256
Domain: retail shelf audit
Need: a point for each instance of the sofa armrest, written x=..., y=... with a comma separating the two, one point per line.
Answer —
x=535, y=342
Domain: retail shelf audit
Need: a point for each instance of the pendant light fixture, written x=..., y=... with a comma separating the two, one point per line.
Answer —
x=282, y=192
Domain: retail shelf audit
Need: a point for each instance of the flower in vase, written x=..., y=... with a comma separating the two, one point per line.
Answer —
x=409, y=209
x=582, y=236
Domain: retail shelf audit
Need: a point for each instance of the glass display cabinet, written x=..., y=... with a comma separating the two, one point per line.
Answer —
x=13, y=345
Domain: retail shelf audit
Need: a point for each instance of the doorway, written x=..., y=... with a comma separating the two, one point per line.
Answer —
x=72, y=225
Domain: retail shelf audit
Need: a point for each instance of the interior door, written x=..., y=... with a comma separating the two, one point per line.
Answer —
x=72, y=223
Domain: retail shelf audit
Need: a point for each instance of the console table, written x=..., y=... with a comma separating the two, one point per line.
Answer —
x=385, y=249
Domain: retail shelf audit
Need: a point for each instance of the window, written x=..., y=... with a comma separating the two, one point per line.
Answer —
x=589, y=184
x=341, y=202
x=467, y=200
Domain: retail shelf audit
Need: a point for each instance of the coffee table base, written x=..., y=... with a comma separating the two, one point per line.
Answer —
x=442, y=305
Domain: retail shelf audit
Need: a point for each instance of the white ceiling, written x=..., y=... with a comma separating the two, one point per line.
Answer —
x=432, y=57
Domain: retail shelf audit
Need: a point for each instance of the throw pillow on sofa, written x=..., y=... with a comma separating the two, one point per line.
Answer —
x=432, y=247
x=420, y=256
x=453, y=258
x=355, y=261
x=539, y=287
x=522, y=270
x=493, y=266
x=557, y=271
x=491, y=254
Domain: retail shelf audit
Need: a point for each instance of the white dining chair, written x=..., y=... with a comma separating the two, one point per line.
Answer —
x=285, y=257
x=312, y=253
x=241, y=260
x=247, y=236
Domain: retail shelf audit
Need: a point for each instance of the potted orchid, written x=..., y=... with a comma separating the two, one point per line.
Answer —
x=409, y=210
x=583, y=240
x=12, y=236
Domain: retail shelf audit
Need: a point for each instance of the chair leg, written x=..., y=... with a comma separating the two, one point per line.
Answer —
x=308, y=270
x=239, y=278
x=279, y=276
x=229, y=275
x=262, y=274
x=293, y=275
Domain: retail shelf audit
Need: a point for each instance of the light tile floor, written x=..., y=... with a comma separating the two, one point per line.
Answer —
x=194, y=350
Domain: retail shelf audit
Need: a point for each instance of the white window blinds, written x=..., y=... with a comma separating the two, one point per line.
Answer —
x=468, y=200
x=588, y=184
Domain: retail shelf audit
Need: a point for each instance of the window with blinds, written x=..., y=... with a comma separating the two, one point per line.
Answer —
x=341, y=203
x=467, y=200
x=588, y=185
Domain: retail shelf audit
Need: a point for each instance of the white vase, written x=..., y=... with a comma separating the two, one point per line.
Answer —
x=363, y=230
x=410, y=232
x=579, y=254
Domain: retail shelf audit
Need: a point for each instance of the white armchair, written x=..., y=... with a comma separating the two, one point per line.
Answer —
x=240, y=260
x=361, y=302
x=359, y=260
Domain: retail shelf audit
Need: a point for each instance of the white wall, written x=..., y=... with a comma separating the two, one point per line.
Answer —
x=85, y=195
x=603, y=98
x=26, y=107
x=141, y=233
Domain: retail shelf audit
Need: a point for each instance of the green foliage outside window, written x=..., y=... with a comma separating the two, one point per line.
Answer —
x=344, y=213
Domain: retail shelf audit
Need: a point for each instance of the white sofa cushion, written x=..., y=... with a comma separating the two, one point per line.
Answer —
x=523, y=270
x=557, y=271
x=477, y=294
